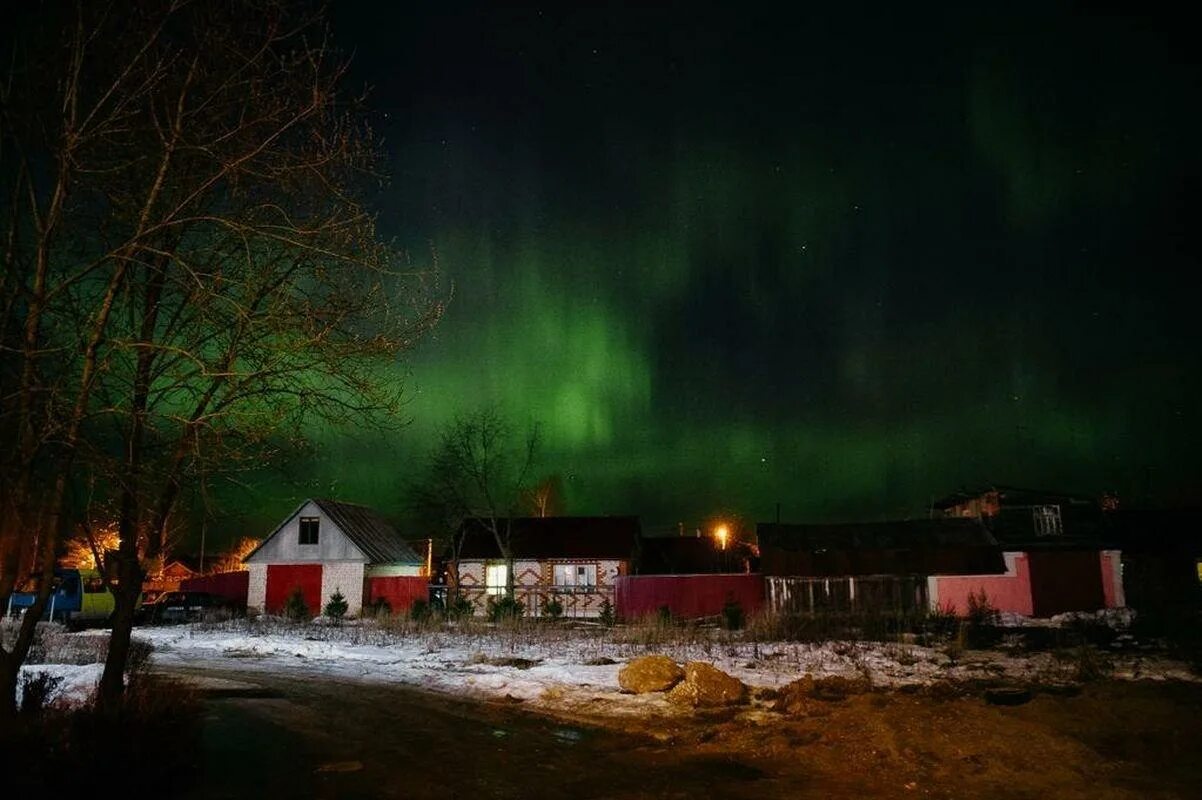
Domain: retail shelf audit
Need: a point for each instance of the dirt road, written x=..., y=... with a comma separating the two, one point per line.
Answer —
x=283, y=736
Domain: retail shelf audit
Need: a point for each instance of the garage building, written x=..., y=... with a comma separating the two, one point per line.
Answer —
x=326, y=546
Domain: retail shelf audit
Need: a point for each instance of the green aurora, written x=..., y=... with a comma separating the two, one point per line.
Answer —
x=723, y=271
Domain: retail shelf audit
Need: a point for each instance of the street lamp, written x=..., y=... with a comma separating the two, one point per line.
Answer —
x=722, y=533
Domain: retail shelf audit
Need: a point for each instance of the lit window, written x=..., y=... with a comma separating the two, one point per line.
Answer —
x=1047, y=521
x=576, y=576
x=308, y=530
x=496, y=579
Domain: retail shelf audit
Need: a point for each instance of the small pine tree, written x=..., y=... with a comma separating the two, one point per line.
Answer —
x=295, y=608
x=607, y=613
x=337, y=606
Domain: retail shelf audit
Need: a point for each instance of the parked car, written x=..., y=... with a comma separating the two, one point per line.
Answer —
x=172, y=607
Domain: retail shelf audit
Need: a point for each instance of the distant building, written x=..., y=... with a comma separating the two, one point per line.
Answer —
x=323, y=547
x=1030, y=552
x=167, y=579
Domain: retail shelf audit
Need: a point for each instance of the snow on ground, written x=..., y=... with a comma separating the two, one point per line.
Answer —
x=564, y=669
x=77, y=681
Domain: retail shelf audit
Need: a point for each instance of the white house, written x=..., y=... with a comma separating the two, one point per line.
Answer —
x=323, y=547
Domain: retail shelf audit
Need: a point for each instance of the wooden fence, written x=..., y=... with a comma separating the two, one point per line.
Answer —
x=873, y=593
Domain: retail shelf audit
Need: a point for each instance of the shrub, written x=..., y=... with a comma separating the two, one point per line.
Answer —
x=980, y=610
x=665, y=614
x=503, y=608
x=420, y=611
x=337, y=606
x=552, y=607
x=295, y=608
x=460, y=606
x=380, y=606
x=982, y=621
x=942, y=621
x=37, y=689
x=732, y=615
x=606, y=616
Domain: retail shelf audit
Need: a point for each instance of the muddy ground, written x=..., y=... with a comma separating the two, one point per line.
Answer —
x=294, y=736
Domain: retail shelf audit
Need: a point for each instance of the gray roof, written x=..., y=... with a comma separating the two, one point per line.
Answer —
x=370, y=532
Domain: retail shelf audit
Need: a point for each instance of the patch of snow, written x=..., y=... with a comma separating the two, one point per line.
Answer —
x=554, y=672
x=78, y=681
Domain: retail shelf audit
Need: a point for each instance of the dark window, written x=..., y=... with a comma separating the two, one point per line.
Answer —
x=308, y=530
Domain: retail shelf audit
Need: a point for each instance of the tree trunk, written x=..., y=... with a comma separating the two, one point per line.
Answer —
x=10, y=666
x=111, y=691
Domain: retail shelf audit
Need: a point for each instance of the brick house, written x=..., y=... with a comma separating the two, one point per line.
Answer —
x=574, y=559
x=326, y=546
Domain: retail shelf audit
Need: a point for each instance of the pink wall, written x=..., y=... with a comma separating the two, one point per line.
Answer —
x=1112, y=578
x=686, y=596
x=1008, y=592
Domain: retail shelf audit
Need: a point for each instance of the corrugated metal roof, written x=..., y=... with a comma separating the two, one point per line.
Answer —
x=370, y=532
x=364, y=526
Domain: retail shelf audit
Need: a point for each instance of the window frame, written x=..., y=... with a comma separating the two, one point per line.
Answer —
x=1047, y=520
x=315, y=523
x=492, y=589
x=561, y=571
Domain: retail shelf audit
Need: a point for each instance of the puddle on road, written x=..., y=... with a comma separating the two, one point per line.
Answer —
x=568, y=735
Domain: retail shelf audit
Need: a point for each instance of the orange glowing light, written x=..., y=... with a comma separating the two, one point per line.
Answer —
x=722, y=533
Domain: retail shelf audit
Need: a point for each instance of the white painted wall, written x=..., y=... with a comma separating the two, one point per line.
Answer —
x=346, y=577
x=256, y=594
x=284, y=546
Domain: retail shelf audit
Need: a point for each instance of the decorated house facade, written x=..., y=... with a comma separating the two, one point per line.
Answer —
x=573, y=561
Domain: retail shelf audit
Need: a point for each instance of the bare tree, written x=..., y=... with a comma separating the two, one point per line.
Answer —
x=237, y=286
x=478, y=474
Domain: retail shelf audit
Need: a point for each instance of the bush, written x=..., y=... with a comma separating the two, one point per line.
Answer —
x=460, y=606
x=37, y=689
x=606, y=617
x=732, y=615
x=552, y=607
x=980, y=610
x=942, y=621
x=982, y=621
x=503, y=608
x=150, y=740
x=295, y=608
x=337, y=606
x=420, y=611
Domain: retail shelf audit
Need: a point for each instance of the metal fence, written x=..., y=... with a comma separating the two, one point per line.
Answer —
x=873, y=593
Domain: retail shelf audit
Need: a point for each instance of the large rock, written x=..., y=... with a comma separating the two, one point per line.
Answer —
x=649, y=674
x=706, y=686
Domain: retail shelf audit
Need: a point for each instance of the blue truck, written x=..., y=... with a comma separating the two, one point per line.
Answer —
x=78, y=598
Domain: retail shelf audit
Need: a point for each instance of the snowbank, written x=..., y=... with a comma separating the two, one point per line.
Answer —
x=77, y=686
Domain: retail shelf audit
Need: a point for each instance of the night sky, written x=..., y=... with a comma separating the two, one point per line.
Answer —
x=840, y=262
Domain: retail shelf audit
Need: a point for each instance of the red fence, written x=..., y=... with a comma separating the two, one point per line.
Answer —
x=686, y=595
x=232, y=586
x=399, y=592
